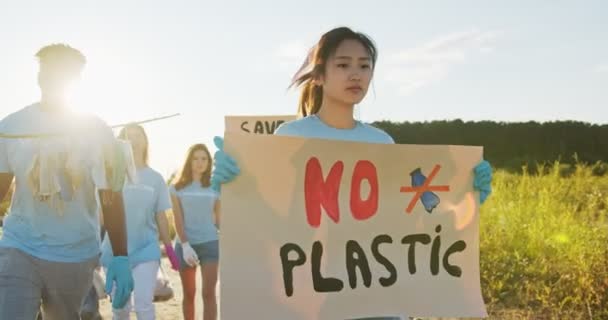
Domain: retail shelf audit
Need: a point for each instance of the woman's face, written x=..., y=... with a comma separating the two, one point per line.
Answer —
x=200, y=162
x=138, y=141
x=348, y=73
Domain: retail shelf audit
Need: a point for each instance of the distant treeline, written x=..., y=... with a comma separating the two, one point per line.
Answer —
x=512, y=145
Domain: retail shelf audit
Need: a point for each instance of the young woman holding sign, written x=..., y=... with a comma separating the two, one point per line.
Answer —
x=145, y=201
x=334, y=78
x=196, y=211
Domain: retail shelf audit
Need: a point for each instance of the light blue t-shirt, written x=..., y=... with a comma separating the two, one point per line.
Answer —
x=312, y=127
x=35, y=225
x=143, y=200
x=197, y=205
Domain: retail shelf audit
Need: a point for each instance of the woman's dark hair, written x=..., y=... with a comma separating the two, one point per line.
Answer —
x=311, y=96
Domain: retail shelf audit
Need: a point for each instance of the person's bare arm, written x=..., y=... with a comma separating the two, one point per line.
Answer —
x=163, y=228
x=216, y=212
x=6, y=179
x=112, y=207
x=178, y=218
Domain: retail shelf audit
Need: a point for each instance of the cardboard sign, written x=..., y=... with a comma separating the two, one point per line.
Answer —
x=319, y=229
x=256, y=124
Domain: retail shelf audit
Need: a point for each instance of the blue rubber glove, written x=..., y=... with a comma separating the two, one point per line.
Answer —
x=482, y=181
x=119, y=272
x=225, y=168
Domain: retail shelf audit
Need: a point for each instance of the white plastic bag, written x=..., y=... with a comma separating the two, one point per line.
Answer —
x=99, y=283
x=163, y=290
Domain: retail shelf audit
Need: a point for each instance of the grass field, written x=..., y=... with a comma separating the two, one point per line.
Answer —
x=544, y=244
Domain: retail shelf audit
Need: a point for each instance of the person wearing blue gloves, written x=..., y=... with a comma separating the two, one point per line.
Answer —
x=64, y=165
x=335, y=78
x=196, y=209
x=146, y=202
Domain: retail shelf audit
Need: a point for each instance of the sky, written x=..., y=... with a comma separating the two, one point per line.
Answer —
x=438, y=60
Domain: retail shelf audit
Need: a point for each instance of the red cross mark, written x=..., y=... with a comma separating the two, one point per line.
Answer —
x=426, y=186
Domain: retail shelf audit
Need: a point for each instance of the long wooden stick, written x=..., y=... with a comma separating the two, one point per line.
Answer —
x=145, y=121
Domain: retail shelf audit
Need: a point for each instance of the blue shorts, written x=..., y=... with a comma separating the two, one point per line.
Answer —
x=207, y=252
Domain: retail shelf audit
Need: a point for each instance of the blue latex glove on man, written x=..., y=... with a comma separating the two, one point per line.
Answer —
x=119, y=274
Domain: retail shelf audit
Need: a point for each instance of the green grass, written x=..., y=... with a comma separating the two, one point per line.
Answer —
x=544, y=244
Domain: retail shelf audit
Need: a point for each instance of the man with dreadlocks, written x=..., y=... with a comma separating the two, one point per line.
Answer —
x=65, y=166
